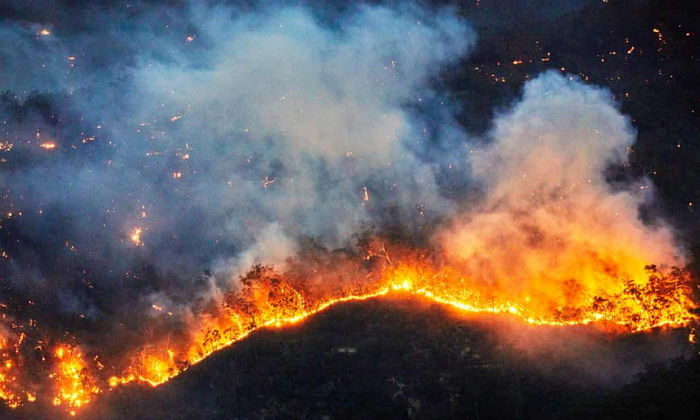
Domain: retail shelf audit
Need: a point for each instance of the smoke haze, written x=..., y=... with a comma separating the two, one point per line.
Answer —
x=224, y=144
x=548, y=215
x=149, y=157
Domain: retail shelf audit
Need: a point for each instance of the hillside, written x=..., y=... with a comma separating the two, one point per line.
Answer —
x=402, y=357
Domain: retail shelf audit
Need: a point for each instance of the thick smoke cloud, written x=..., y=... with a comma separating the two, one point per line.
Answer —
x=549, y=215
x=311, y=113
x=222, y=137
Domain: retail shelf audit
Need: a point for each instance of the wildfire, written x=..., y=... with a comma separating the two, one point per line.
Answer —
x=267, y=299
x=48, y=145
x=8, y=373
x=75, y=387
x=135, y=236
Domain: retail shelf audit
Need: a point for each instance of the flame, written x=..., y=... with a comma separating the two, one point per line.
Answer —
x=75, y=386
x=135, y=236
x=48, y=145
x=8, y=373
x=657, y=297
x=274, y=302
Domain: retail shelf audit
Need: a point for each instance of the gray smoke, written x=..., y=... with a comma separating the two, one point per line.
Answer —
x=193, y=142
x=217, y=138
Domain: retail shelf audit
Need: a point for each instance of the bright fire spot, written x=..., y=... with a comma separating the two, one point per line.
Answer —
x=48, y=145
x=135, y=236
x=44, y=32
x=74, y=387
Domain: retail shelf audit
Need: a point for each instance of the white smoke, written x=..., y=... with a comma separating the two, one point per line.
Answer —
x=290, y=120
x=548, y=214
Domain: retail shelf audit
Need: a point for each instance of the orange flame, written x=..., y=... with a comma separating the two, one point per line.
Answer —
x=75, y=386
x=272, y=302
x=266, y=299
x=135, y=236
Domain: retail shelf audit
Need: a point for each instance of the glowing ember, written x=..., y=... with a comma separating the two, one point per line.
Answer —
x=48, y=145
x=135, y=236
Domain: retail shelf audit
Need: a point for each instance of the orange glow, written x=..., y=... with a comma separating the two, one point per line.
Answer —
x=655, y=297
x=9, y=373
x=135, y=236
x=74, y=385
x=48, y=145
x=274, y=302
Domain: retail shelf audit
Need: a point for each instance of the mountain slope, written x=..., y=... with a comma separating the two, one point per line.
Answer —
x=402, y=357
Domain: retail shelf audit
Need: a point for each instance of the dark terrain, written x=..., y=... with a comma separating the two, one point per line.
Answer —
x=405, y=358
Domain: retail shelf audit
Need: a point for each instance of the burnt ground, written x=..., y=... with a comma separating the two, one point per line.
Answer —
x=406, y=358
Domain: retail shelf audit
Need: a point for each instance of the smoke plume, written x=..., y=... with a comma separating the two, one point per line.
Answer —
x=209, y=139
x=548, y=214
